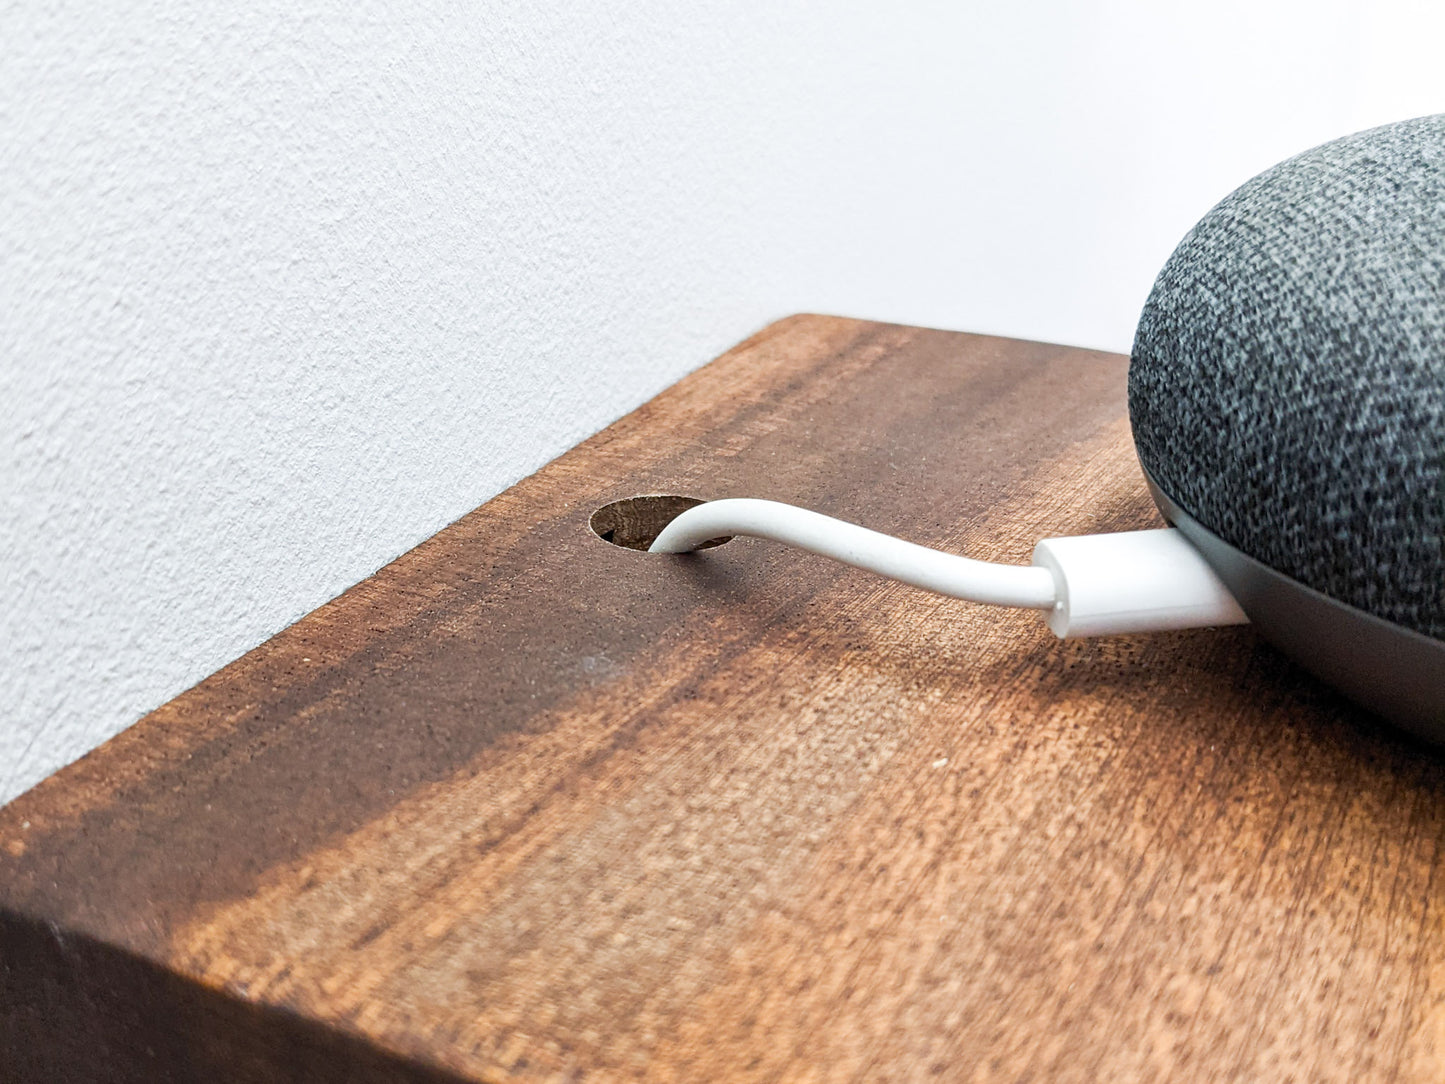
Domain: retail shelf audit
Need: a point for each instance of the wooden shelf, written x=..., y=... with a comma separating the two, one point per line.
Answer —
x=524, y=805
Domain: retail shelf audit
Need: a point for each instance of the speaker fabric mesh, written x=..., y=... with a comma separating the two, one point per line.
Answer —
x=1287, y=384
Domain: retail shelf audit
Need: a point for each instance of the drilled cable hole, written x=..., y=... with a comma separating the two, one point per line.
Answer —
x=635, y=522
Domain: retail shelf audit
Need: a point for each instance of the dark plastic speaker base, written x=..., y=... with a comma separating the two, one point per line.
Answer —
x=1395, y=672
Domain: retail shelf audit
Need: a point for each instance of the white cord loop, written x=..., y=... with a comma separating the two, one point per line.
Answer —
x=945, y=573
x=1093, y=585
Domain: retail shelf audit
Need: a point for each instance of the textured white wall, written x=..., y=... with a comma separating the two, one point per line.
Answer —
x=286, y=287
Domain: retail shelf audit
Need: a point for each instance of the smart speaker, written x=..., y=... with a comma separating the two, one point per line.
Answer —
x=1287, y=396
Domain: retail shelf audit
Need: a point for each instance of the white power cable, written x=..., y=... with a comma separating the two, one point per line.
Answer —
x=1133, y=581
x=961, y=577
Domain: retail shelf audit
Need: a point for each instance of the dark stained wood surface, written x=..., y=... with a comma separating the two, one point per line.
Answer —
x=524, y=805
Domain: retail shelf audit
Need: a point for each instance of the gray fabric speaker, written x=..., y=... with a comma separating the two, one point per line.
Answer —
x=1287, y=393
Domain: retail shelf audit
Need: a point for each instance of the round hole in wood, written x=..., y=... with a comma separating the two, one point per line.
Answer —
x=635, y=522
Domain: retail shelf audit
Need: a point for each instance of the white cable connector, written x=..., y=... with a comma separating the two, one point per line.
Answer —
x=1092, y=585
x=1133, y=581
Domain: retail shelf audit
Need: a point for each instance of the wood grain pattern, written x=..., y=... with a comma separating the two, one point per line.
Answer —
x=524, y=805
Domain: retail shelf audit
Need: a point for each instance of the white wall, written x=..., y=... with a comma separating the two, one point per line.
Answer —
x=286, y=287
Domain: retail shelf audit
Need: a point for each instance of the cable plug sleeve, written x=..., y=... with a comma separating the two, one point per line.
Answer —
x=1133, y=581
